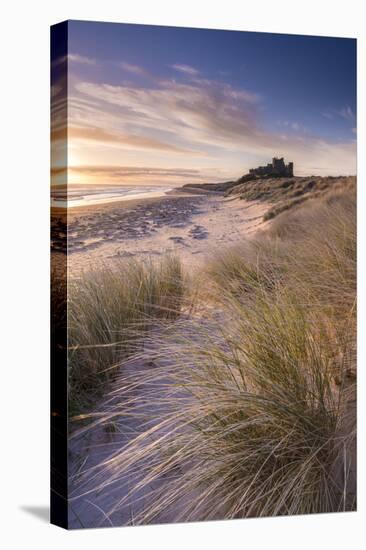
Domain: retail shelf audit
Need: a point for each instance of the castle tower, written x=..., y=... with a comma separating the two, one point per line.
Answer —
x=278, y=165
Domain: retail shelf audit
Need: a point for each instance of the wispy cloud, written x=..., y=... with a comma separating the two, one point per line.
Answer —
x=186, y=69
x=101, y=135
x=207, y=113
x=76, y=58
x=223, y=122
x=128, y=174
x=328, y=115
x=73, y=58
x=135, y=69
x=119, y=171
x=293, y=125
x=347, y=113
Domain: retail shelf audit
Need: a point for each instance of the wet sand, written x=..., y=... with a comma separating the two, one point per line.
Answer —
x=191, y=226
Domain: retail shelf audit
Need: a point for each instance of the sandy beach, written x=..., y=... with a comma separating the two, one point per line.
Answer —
x=191, y=226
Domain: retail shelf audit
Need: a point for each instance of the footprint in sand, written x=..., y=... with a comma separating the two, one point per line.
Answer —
x=198, y=232
x=177, y=240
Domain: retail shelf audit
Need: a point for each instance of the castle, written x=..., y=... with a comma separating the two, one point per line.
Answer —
x=277, y=168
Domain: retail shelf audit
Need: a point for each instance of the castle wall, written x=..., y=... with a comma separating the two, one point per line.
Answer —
x=276, y=168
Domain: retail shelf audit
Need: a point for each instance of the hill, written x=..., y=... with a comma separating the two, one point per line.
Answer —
x=283, y=192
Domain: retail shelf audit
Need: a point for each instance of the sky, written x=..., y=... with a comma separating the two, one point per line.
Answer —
x=167, y=105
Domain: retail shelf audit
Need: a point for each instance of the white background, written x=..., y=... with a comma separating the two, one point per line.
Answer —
x=24, y=256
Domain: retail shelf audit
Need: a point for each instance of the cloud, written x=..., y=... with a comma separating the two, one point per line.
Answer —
x=347, y=113
x=135, y=69
x=135, y=175
x=210, y=113
x=295, y=126
x=92, y=133
x=119, y=171
x=76, y=58
x=59, y=133
x=186, y=69
x=128, y=175
x=221, y=121
x=56, y=170
x=73, y=58
x=324, y=158
x=328, y=115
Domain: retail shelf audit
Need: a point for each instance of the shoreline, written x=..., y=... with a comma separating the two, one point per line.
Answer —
x=120, y=203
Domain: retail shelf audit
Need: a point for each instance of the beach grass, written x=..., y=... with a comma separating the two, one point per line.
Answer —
x=253, y=405
x=287, y=193
x=108, y=311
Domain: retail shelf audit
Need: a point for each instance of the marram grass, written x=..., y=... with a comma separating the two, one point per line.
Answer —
x=108, y=312
x=251, y=411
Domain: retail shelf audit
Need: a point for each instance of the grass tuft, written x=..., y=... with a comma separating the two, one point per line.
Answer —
x=109, y=310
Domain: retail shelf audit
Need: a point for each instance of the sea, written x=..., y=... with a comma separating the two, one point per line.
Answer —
x=84, y=195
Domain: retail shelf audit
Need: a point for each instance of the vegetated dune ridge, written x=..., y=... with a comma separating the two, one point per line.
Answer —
x=234, y=394
x=284, y=193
